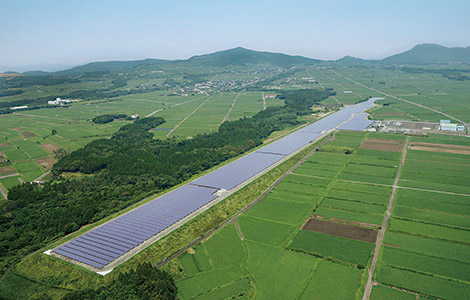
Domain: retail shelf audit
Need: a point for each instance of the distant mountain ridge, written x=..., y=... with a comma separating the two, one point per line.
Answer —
x=242, y=56
x=420, y=54
x=430, y=54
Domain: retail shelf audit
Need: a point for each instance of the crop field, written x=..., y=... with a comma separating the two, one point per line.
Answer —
x=27, y=141
x=427, y=243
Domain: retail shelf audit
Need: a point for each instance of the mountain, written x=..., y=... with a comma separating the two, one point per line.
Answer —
x=349, y=59
x=110, y=66
x=430, y=54
x=241, y=56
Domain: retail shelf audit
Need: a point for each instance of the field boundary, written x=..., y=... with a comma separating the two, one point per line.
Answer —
x=380, y=236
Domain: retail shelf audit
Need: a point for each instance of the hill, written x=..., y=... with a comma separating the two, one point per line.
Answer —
x=430, y=54
x=354, y=60
x=242, y=56
x=109, y=66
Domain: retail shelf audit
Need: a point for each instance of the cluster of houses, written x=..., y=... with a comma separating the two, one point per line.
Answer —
x=59, y=101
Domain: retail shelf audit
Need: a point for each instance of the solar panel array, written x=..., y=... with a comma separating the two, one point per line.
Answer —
x=106, y=243
x=358, y=123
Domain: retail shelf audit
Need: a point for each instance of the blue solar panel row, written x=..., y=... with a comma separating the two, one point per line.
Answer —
x=108, y=242
x=238, y=171
x=104, y=244
x=358, y=123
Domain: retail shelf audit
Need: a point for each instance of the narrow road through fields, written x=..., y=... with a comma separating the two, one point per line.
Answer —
x=230, y=109
x=175, y=105
x=264, y=100
x=404, y=100
x=380, y=236
x=189, y=115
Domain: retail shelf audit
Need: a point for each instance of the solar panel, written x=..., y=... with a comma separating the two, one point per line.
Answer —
x=238, y=171
x=290, y=143
x=102, y=245
x=358, y=123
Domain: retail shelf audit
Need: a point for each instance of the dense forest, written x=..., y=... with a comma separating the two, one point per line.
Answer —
x=124, y=169
x=144, y=283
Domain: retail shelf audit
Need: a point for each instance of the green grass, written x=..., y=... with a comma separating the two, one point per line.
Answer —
x=315, y=172
x=431, y=217
x=265, y=231
x=307, y=180
x=432, y=205
x=353, y=206
x=16, y=287
x=296, y=197
x=434, y=231
x=359, y=196
x=205, y=282
x=351, y=251
x=16, y=155
x=300, y=188
x=349, y=215
x=280, y=211
x=333, y=281
x=429, y=246
x=380, y=292
x=426, y=284
x=29, y=170
x=10, y=182
x=277, y=273
x=407, y=260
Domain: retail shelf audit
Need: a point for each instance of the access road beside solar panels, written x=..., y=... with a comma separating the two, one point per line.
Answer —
x=108, y=245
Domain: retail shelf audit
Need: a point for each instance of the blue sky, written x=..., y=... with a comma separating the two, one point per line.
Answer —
x=74, y=32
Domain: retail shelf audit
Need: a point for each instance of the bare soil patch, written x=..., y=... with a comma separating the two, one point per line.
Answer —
x=50, y=147
x=389, y=114
x=28, y=134
x=383, y=141
x=341, y=230
x=18, y=128
x=436, y=149
x=381, y=146
x=5, y=145
x=7, y=170
x=47, y=162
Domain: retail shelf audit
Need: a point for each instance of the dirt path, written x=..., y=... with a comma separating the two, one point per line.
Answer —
x=404, y=100
x=264, y=101
x=240, y=234
x=42, y=176
x=231, y=107
x=177, y=104
x=189, y=115
x=9, y=175
x=381, y=234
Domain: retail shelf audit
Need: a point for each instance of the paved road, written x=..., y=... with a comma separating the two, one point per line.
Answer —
x=380, y=237
x=404, y=100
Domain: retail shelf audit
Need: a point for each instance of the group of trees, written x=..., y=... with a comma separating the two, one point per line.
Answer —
x=144, y=283
x=103, y=119
x=124, y=169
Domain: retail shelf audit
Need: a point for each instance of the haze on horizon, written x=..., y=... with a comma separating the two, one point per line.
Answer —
x=52, y=34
